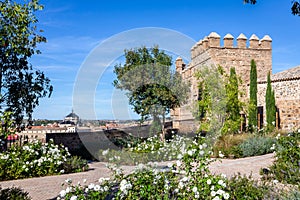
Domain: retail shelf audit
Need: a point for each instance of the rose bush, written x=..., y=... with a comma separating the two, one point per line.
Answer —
x=35, y=159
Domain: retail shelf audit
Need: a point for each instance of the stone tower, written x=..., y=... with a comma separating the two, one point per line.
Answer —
x=207, y=52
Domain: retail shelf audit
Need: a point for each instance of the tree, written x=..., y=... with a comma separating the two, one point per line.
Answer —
x=211, y=105
x=233, y=104
x=270, y=105
x=295, y=6
x=21, y=86
x=152, y=87
x=252, y=112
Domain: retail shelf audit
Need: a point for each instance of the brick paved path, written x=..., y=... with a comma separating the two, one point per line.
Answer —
x=45, y=188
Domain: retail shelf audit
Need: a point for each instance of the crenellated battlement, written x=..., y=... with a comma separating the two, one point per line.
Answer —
x=213, y=40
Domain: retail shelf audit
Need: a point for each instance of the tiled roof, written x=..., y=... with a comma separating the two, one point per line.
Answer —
x=293, y=73
x=286, y=75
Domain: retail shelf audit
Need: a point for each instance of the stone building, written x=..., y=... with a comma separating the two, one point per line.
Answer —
x=208, y=51
x=72, y=117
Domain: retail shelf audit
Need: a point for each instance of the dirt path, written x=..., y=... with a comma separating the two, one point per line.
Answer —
x=49, y=187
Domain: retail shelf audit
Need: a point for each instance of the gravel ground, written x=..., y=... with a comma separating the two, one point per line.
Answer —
x=46, y=188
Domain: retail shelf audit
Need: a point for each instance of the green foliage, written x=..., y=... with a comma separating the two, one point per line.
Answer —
x=36, y=159
x=295, y=6
x=292, y=195
x=6, y=125
x=155, y=127
x=218, y=106
x=211, y=105
x=228, y=145
x=270, y=105
x=286, y=165
x=243, y=187
x=252, y=110
x=150, y=150
x=14, y=193
x=21, y=86
x=75, y=164
x=255, y=146
x=188, y=178
x=233, y=104
x=152, y=87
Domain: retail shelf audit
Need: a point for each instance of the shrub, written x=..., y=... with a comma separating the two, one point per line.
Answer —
x=228, y=144
x=286, y=167
x=32, y=160
x=188, y=178
x=242, y=187
x=150, y=150
x=256, y=146
x=295, y=194
x=14, y=193
x=75, y=164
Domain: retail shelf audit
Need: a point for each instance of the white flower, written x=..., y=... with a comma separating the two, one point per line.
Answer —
x=62, y=193
x=170, y=165
x=220, y=182
x=178, y=163
x=180, y=155
x=68, y=189
x=220, y=154
x=213, y=193
x=91, y=186
x=73, y=198
x=190, y=152
x=201, y=153
x=185, y=179
x=223, y=175
x=180, y=185
x=220, y=192
x=275, y=181
x=226, y=196
x=97, y=187
x=105, y=152
x=106, y=188
x=125, y=185
x=217, y=198
x=208, y=181
x=273, y=147
x=195, y=189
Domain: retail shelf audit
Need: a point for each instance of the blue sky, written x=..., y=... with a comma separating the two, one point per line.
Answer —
x=75, y=28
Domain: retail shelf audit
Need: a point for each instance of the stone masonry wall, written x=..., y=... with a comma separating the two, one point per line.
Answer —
x=208, y=52
x=287, y=96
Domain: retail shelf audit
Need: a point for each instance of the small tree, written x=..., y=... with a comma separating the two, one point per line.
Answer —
x=152, y=87
x=218, y=106
x=233, y=104
x=252, y=111
x=270, y=105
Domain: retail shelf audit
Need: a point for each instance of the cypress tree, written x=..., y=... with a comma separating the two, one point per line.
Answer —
x=233, y=104
x=253, y=96
x=270, y=104
x=273, y=108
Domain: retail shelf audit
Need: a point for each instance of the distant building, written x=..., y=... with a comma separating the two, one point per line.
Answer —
x=71, y=119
